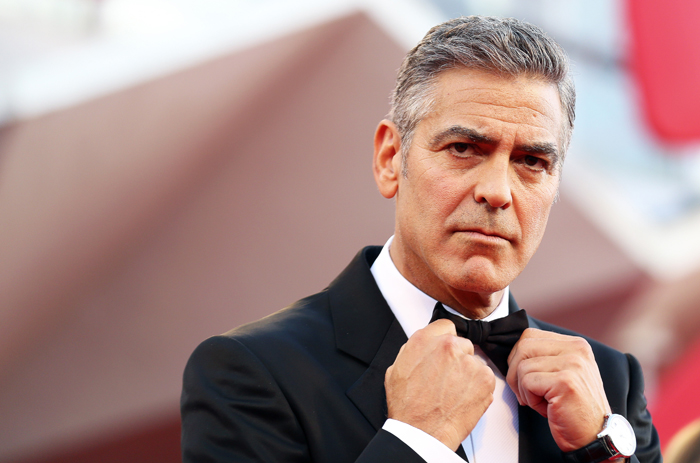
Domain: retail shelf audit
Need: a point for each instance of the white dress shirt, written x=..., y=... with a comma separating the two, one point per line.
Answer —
x=495, y=437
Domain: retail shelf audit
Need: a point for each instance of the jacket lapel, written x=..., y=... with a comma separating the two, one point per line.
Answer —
x=536, y=443
x=368, y=392
x=366, y=329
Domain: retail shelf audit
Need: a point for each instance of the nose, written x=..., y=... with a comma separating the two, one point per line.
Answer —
x=493, y=185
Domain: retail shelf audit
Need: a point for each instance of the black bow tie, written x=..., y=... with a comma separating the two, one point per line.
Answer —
x=495, y=338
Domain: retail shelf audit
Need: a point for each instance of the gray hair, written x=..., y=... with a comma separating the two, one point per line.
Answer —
x=502, y=46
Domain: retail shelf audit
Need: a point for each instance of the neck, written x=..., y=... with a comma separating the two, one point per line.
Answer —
x=472, y=305
x=475, y=305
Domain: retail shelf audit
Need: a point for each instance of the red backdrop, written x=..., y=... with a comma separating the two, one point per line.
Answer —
x=678, y=401
x=665, y=60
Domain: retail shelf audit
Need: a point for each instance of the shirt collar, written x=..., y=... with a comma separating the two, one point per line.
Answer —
x=411, y=306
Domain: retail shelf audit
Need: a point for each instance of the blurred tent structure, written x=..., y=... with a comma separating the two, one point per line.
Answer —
x=172, y=169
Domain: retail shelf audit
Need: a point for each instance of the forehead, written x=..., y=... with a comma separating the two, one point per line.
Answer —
x=493, y=103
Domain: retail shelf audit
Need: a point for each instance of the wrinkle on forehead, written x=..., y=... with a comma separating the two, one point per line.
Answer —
x=463, y=95
x=494, y=103
x=484, y=88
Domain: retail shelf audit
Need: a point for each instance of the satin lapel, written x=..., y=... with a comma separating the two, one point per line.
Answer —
x=361, y=316
x=368, y=392
x=512, y=305
x=536, y=443
x=366, y=329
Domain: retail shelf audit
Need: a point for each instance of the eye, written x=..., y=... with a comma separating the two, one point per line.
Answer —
x=535, y=162
x=461, y=148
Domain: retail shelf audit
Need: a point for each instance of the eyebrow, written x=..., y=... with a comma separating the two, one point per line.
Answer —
x=549, y=149
x=543, y=148
x=462, y=132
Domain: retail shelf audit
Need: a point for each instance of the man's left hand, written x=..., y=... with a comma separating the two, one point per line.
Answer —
x=557, y=376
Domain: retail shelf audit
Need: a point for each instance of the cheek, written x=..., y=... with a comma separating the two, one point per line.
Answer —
x=533, y=219
x=533, y=215
x=439, y=195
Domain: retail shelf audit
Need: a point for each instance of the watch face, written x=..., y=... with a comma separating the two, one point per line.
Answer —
x=622, y=435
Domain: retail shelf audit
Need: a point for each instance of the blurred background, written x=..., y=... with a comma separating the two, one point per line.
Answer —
x=170, y=169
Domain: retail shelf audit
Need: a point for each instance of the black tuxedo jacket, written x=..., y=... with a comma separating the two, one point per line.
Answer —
x=306, y=384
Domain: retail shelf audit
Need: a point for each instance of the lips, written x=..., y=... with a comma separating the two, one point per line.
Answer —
x=488, y=233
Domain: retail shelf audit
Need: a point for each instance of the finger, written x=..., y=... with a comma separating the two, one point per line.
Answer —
x=548, y=364
x=565, y=385
x=444, y=331
x=426, y=338
x=537, y=333
x=387, y=375
x=439, y=327
x=534, y=333
x=450, y=346
x=466, y=346
x=570, y=359
x=531, y=347
x=512, y=381
x=583, y=374
x=534, y=388
x=524, y=367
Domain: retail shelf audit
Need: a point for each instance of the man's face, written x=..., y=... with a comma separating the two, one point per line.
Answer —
x=481, y=176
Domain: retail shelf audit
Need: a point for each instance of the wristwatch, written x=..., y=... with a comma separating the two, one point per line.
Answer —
x=616, y=440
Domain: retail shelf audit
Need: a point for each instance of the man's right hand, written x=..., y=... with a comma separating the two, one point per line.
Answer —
x=437, y=384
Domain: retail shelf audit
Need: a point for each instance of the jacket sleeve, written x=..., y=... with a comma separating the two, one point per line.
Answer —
x=233, y=410
x=648, y=446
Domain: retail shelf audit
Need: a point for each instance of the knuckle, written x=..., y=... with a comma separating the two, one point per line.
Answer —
x=419, y=337
x=465, y=344
x=401, y=352
x=525, y=380
x=484, y=373
x=447, y=323
x=450, y=345
x=583, y=346
x=525, y=344
x=469, y=364
x=513, y=375
x=490, y=379
x=522, y=368
x=568, y=379
x=577, y=361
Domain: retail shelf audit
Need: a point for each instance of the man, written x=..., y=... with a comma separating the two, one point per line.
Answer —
x=472, y=152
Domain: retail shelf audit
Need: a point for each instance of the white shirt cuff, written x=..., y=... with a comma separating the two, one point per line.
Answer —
x=426, y=446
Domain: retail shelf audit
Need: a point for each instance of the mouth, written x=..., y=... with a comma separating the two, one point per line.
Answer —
x=488, y=235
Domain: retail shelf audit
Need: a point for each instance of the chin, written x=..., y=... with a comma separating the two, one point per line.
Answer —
x=486, y=287
x=480, y=279
x=478, y=283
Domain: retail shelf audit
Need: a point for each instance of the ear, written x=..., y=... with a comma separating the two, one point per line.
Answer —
x=387, y=158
